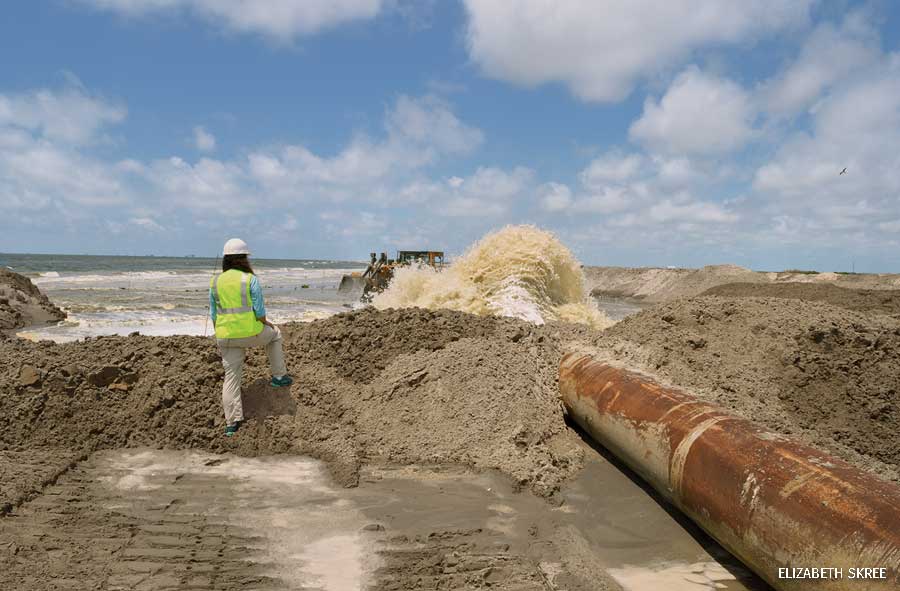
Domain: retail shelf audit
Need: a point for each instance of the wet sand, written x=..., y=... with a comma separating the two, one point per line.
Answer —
x=164, y=519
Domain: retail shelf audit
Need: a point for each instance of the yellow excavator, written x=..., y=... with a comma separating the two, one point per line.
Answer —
x=378, y=274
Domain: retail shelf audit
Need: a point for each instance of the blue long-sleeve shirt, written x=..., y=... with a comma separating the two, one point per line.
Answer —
x=256, y=297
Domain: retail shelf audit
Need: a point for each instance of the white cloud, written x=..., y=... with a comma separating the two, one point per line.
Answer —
x=48, y=172
x=70, y=115
x=623, y=191
x=829, y=55
x=418, y=132
x=204, y=140
x=689, y=210
x=851, y=90
x=611, y=199
x=611, y=167
x=699, y=114
x=410, y=179
x=677, y=172
x=280, y=20
x=147, y=223
x=600, y=49
x=428, y=121
x=555, y=197
x=41, y=163
x=208, y=185
x=354, y=224
x=488, y=192
x=377, y=171
x=856, y=125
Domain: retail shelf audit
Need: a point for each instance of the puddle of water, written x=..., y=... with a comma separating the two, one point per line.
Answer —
x=312, y=534
x=327, y=562
x=618, y=308
x=643, y=546
x=700, y=576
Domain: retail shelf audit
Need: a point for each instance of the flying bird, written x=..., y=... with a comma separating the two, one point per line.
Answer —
x=843, y=171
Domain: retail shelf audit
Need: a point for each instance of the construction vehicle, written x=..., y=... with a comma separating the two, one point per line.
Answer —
x=380, y=271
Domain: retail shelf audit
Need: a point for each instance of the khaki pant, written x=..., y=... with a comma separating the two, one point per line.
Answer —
x=232, y=351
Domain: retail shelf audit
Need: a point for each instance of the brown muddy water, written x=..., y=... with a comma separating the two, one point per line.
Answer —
x=154, y=519
x=619, y=307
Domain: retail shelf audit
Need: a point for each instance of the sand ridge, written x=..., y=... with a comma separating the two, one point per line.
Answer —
x=419, y=386
x=812, y=369
x=881, y=301
x=654, y=284
x=22, y=303
x=401, y=386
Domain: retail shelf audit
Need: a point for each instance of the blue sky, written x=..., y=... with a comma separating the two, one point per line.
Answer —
x=684, y=132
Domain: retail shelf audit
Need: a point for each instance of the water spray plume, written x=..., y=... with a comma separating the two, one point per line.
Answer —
x=519, y=271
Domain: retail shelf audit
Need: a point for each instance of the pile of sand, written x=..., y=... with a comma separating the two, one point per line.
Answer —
x=822, y=371
x=882, y=301
x=22, y=304
x=407, y=386
x=652, y=284
x=661, y=285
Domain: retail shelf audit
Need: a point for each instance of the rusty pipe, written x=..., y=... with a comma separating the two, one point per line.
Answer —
x=772, y=501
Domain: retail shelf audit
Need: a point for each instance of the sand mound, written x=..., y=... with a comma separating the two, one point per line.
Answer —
x=825, y=373
x=22, y=303
x=519, y=272
x=359, y=346
x=663, y=285
x=398, y=386
x=883, y=301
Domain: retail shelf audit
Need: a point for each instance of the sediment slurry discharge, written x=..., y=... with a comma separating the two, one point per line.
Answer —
x=519, y=272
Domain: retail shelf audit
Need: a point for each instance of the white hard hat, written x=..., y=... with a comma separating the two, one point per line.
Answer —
x=235, y=246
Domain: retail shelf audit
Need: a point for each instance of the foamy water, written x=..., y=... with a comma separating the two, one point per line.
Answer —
x=519, y=271
x=160, y=303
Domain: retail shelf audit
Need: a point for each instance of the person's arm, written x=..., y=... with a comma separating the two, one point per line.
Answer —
x=259, y=305
x=212, y=306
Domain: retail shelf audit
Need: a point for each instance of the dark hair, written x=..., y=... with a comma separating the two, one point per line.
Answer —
x=236, y=261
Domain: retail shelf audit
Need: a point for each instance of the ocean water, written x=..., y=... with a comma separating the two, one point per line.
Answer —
x=169, y=295
x=106, y=295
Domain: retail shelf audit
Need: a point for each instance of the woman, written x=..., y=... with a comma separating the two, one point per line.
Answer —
x=239, y=314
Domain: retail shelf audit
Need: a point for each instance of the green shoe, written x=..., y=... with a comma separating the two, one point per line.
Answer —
x=282, y=381
x=230, y=430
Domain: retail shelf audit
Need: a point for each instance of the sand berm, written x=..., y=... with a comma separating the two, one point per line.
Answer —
x=421, y=386
x=22, y=303
x=404, y=386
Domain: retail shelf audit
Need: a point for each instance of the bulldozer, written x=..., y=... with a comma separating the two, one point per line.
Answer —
x=380, y=271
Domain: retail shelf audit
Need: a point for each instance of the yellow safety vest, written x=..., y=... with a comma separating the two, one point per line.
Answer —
x=235, y=318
